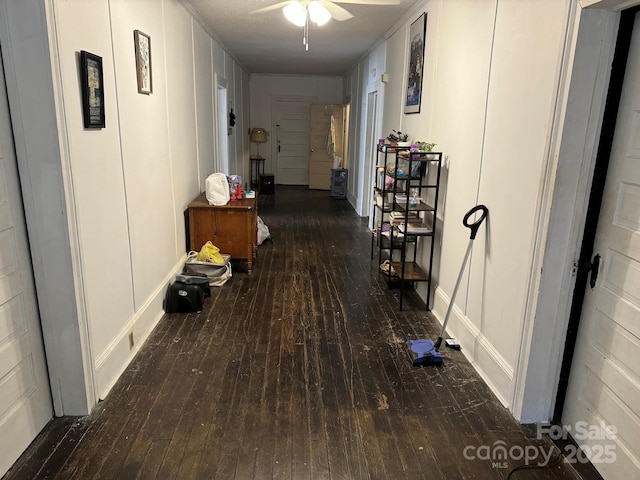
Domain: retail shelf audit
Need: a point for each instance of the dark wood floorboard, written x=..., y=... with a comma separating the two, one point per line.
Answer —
x=296, y=371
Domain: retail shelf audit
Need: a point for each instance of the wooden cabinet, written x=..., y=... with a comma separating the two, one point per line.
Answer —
x=233, y=227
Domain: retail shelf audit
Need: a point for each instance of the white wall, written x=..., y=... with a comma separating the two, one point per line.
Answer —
x=490, y=93
x=396, y=66
x=203, y=63
x=372, y=67
x=144, y=135
x=525, y=69
x=125, y=186
x=353, y=95
x=262, y=90
x=99, y=192
x=179, y=42
x=459, y=101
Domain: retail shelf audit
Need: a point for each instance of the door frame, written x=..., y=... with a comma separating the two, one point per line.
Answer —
x=220, y=114
x=592, y=26
x=618, y=71
x=50, y=211
x=372, y=134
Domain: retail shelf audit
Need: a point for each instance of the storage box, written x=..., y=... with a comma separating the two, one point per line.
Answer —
x=339, y=178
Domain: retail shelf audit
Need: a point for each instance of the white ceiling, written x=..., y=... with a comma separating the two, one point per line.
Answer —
x=268, y=43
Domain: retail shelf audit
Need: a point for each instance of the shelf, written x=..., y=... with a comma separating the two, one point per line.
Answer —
x=400, y=173
x=412, y=272
x=421, y=207
x=425, y=233
x=386, y=190
x=386, y=207
x=385, y=240
x=385, y=243
x=422, y=157
x=386, y=148
x=426, y=229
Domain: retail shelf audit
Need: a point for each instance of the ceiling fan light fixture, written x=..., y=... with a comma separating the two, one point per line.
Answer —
x=318, y=13
x=295, y=13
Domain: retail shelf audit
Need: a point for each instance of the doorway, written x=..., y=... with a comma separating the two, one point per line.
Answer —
x=327, y=144
x=292, y=139
x=25, y=395
x=600, y=378
x=370, y=156
x=223, y=144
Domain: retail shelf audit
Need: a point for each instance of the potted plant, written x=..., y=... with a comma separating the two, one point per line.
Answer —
x=401, y=139
x=425, y=146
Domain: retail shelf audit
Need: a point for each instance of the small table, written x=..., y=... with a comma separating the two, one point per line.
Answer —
x=257, y=169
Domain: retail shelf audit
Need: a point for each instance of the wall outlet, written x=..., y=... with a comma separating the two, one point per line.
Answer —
x=131, y=341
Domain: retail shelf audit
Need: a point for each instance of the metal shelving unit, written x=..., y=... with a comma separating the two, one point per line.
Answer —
x=406, y=195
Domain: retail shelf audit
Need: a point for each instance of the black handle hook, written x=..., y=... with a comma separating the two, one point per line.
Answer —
x=475, y=225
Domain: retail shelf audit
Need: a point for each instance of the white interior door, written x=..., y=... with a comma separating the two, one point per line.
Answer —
x=604, y=385
x=25, y=396
x=325, y=142
x=292, y=123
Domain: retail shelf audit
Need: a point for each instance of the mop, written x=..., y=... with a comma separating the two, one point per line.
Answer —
x=425, y=352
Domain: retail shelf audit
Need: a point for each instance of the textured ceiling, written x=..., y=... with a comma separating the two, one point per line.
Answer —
x=268, y=43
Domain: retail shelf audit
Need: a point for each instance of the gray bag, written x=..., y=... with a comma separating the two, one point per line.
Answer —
x=218, y=274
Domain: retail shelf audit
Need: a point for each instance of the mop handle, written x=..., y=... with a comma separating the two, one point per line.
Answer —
x=475, y=225
x=474, y=230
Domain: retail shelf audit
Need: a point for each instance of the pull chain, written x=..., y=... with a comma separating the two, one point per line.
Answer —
x=305, y=35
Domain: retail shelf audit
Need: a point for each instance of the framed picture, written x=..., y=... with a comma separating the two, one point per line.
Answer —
x=143, y=62
x=416, y=64
x=92, y=85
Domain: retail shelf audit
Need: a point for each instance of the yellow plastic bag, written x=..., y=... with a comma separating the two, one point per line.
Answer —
x=210, y=253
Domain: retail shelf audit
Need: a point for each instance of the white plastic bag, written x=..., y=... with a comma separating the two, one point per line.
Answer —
x=216, y=188
x=263, y=231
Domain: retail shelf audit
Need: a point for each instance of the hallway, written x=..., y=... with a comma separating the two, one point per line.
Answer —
x=297, y=371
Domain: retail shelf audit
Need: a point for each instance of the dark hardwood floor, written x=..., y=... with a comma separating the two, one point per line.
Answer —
x=297, y=371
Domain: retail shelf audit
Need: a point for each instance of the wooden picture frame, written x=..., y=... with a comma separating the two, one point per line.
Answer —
x=417, y=35
x=142, y=43
x=92, y=85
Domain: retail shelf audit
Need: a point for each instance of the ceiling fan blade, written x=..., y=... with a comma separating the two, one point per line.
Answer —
x=369, y=2
x=336, y=11
x=272, y=7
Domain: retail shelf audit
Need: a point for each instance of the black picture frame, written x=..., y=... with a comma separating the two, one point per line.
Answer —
x=417, y=35
x=144, y=75
x=92, y=83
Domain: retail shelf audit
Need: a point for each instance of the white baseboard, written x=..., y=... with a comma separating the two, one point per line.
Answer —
x=485, y=359
x=113, y=361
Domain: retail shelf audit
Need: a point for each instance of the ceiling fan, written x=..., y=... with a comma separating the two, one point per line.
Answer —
x=299, y=12
x=322, y=10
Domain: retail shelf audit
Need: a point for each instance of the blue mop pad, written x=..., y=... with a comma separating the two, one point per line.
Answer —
x=423, y=352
